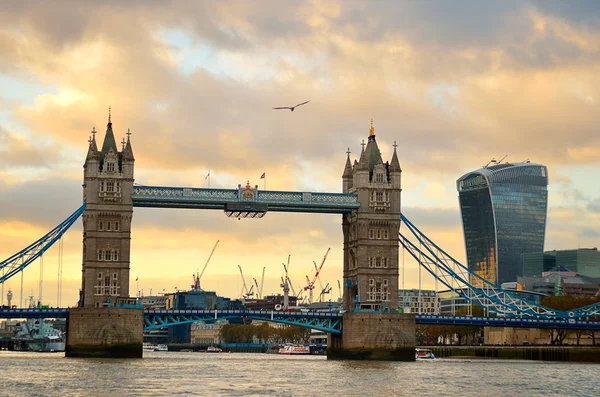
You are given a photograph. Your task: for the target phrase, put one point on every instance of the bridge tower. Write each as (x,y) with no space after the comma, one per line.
(371,232)
(107,189)
(97,328)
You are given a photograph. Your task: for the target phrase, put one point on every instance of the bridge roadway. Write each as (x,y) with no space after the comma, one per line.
(324,321)
(242,200)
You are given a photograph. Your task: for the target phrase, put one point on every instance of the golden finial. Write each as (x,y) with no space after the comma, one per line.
(372,130)
(109,114)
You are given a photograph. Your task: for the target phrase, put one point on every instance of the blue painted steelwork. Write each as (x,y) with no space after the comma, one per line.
(232,199)
(507,322)
(27,255)
(327,322)
(459,279)
(34,313)
(588,311)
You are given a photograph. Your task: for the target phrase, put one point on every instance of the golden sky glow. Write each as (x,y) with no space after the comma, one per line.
(454,83)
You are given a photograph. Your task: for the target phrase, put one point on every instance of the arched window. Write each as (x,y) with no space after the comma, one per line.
(117,227)
(100,225)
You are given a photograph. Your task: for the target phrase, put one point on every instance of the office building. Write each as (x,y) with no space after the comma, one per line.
(503,209)
(584,261)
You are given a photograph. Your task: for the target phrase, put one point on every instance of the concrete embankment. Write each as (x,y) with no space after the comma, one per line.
(543,353)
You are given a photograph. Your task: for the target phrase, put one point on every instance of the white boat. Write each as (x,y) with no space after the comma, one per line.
(148,347)
(423,354)
(294,350)
(213,349)
(41,336)
(161,348)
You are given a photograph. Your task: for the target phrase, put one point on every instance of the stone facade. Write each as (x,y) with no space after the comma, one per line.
(101,332)
(375,336)
(371,233)
(107,190)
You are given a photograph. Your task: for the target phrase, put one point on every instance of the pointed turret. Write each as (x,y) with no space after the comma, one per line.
(109,138)
(395,164)
(347,176)
(348,168)
(363,162)
(127,151)
(372,151)
(93,149)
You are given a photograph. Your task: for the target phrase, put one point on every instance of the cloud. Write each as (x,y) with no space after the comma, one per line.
(589,232)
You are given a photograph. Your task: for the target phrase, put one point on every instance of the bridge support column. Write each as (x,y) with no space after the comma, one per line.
(374,336)
(105,332)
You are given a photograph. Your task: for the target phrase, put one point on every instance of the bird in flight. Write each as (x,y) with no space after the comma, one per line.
(292,107)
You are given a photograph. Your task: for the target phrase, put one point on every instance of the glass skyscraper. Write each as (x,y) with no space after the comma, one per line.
(503,209)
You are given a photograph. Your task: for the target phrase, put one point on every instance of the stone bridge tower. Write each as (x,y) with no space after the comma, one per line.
(107,190)
(371,232)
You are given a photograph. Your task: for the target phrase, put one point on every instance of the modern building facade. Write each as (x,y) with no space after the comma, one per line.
(503,209)
(419,301)
(371,231)
(584,261)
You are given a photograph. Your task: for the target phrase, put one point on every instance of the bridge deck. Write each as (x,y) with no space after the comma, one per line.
(236,199)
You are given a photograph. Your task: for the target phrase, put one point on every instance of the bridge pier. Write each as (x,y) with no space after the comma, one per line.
(374,336)
(105,332)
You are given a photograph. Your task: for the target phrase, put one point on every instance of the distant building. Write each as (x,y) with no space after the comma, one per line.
(503,209)
(154,302)
(583,261)
(207,334)
(418,301)
(571,283)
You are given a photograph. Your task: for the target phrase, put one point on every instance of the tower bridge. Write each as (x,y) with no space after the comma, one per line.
(370,206)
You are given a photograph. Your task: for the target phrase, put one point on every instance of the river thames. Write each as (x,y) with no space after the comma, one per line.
(246,374)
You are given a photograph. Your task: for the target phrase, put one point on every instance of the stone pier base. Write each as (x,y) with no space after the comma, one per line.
(374,336)
(105,332)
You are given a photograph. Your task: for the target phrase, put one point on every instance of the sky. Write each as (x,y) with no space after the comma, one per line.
(454,83)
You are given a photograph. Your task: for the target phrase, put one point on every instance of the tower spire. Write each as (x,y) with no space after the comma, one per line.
(372,129)
(109,115)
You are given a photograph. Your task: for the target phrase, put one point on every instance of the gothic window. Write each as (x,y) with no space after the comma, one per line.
(100,225)
(117,227)
(115,256)
(110,187)
(102,186)
(371,262)
(387,197)
(384,262)
(118,187)
(379,196)
(379,177)
(385,234)
(110,167)
(115,276)
(372,196)
(108,226)
(100,255)
(99,276)
(378,234)
(371,281)
(107,256)
(371,234)
(385,282)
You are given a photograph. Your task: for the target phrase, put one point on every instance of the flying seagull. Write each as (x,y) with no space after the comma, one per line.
(292,107)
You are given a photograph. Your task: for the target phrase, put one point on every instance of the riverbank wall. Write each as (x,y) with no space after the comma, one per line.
(539,353)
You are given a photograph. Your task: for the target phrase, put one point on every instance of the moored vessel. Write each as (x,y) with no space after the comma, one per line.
(423,354)
(294,350)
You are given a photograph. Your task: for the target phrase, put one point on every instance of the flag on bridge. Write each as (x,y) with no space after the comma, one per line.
(263,176)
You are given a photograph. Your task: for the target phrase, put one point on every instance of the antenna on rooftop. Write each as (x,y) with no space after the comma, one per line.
(493,160)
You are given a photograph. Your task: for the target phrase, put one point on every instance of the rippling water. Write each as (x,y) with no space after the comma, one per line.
(244,374)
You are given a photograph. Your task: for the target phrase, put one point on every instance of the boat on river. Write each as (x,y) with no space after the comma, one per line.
(424,354)
(294,350)
(213,349)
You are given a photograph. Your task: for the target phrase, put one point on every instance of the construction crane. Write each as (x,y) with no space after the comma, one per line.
(324,291)
(257,288)
(197,277)
(311,283)
(286,284)
(340,291)
(249,293)
(262,282)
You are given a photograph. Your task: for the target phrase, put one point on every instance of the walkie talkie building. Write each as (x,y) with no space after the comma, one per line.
(503,209)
